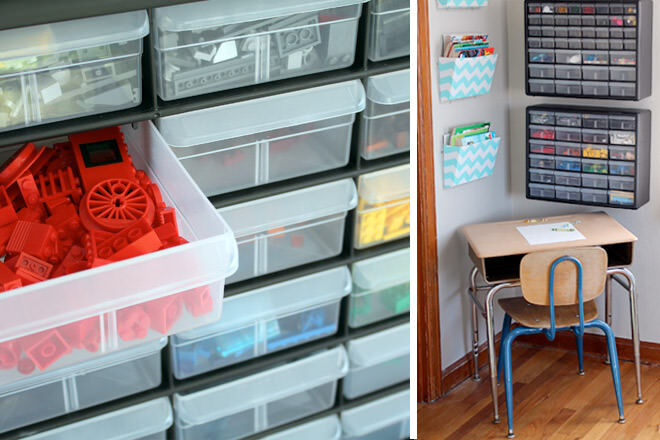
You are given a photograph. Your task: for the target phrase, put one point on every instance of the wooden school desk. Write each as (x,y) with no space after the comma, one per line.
(496,250)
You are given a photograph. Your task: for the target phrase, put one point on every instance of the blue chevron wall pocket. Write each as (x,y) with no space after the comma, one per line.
(466,77)
(470,162)
(462,3)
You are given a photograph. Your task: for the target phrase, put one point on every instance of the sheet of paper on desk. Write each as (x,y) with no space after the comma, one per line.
(550,233)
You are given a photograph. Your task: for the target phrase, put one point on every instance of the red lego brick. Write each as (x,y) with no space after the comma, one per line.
(91,244)
(164,312)
(142,178)
(31,269)
(39,166)
(32,214)
(167,215)
(63,159)
(10,353)
(102,155)
(74,261)
(36,239)
(166,232)
(176,241)
(83,334)
(132,323)
(138,239)
(25,366)
(69,228)
(115,204)
(29,192)
(19,163)
(58,184)
(8,279)
(44,348)
(198,301)
(7,212)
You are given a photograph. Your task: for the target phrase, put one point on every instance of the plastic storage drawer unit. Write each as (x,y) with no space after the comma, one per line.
(263,321)
(377,361)
(70,69)
(146,421)
(72,318)
(290,229)
(326,428)
(80,386)
(389,24)
(381,288)
(386,118)
(216,45)
(261,401)
(383,212)
(387,418)
(268,139)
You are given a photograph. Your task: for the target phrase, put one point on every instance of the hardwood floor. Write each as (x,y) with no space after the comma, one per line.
(551,401)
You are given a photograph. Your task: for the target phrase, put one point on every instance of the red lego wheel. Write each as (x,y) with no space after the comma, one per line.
(19,163)
(115,204)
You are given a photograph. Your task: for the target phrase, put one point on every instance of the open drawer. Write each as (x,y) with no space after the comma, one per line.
(261,401)
(146,421)
(79,386)
(75,317)
(378,361)
(290,229)
(387,418)
(381,288)
(264,140)
(263,321)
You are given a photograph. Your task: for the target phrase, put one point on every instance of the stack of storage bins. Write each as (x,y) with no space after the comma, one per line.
(306,308)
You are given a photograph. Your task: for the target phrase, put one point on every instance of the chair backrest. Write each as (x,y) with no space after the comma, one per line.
(535,275)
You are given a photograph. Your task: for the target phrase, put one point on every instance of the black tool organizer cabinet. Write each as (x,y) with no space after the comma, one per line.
(594,49)
(16,13)
(588,155)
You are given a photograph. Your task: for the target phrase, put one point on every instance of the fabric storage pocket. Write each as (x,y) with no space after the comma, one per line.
(594,195)
(594,181)
(567,179)
(628,90)
(567,193)
(541,161)
(465,77)
(541,191)
(386,118)
(290,229)
(622,168)
(543,118)
(568,72)
(622,198)
(381,288)
(541,71)
(620,122)
(595,57)
(264,140)
(145,421)
(568,134)
(81,386)
(378,361)
(460,166)
(622,137)
(623,74)
(568,57)
(595,136)
(544,86)
(594,166)
(595,121)
(568,149)
(544,56)
(567,87)
(622,153)
(384,418)
(622,183)
(595,73)
(541,176)
(594,151)
(263,321)
(255,403)
(590,88)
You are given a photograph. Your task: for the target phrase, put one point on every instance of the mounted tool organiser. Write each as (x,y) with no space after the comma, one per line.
(589,49)
(587,155)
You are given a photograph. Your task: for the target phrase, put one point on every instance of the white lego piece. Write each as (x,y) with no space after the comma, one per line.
(226,51)
(294,61)
(170,69)
(61,76)
(51,93)
(205,53)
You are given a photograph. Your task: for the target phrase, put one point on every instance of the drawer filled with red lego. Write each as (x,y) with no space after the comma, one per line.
(106,243)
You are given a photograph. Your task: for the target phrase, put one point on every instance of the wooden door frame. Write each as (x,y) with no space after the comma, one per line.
(429,364)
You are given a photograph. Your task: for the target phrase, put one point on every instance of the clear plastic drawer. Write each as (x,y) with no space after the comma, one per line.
(389,24)
(387,418)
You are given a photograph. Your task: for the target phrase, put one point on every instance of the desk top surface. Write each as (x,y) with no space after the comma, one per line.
(500,239)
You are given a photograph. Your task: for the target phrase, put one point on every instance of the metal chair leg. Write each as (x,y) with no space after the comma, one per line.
(614,364)
(506,327)
(579,341)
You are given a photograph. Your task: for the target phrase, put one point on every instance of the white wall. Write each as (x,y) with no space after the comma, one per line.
(484,200)
(502,196)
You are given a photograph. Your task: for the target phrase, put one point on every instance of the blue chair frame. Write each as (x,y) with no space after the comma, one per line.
(509,335)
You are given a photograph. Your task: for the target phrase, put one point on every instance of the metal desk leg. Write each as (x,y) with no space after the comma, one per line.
(608,307)
(490,323)
(475,326)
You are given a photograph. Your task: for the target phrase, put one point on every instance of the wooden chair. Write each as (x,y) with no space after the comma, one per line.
(559,288)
